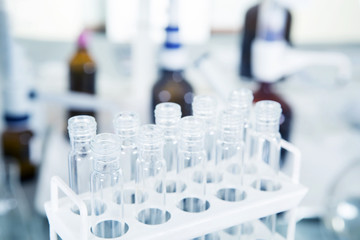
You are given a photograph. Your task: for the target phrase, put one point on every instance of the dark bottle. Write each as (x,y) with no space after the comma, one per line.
(249,34)
(16,142)
(82,71)
(266,92)
(172,86)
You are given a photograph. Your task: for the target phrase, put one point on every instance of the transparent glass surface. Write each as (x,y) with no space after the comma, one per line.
(342,215)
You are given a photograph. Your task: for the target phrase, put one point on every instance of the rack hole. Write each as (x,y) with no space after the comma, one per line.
(171,187)
(231,194)
(266,185)
(100,208)
(129,197)
(211,177)
(210,236)
(109,229)
(153,216)
(76,210)
(236,169)
(243,229)
(193,205)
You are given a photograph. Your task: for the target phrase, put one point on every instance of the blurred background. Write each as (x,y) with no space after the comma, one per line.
(305,55)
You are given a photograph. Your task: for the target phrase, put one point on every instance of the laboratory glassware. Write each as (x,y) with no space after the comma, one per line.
(251,27)
(126,125)
(342,206)
(241,100)
(151,177)
(14,208)
(107,187)
(167,117)
(205,108)
(172,85)
(267,91)
(16,144)
(230,144)
(82,129)
(17,134)
(192,164)
(82,73)
(268,145)
(273,23)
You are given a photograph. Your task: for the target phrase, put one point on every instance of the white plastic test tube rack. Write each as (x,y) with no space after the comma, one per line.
(253,204)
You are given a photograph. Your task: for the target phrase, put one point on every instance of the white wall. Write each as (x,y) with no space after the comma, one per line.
(321,21)
(328,21)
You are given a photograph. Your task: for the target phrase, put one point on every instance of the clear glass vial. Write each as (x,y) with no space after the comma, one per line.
(126,125)
(106,187)
(192,164)
(241,100)
(151,177)
(267,134)
(167,117)
(82,129)
(205,108)
(230,144)
(268,146)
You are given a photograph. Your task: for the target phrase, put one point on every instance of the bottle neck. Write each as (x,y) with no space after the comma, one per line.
(81,49)
(106,164)
(80,146)
(18,122)
(267,117)
(176,75)
(267,128)
(231,126)
(265,87)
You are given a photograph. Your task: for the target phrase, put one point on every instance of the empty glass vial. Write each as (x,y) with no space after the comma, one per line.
(151,177)
(268,148)
(106,187)
(230,144)
(167,117)
(204,108)
(192,164)
(126,125)
(241,100)
(82,129)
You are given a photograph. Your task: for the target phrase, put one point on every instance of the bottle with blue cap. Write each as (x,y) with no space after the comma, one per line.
(172,86)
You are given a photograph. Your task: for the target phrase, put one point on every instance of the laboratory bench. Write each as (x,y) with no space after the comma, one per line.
(323,111)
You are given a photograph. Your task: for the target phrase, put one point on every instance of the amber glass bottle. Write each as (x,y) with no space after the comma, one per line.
(82,74)
(249,34)
(266,92)
(172,86)
(16,142)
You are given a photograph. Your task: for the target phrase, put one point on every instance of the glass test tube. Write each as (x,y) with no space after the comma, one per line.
(192,163)
(82,129)
(241,100)
(126,125)
(230,144)
(205,108)
(150,195)
(107,185)
(268,148)
(167,116)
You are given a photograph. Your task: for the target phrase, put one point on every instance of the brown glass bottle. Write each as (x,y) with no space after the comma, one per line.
(82,71)
(16,140)
(249,34)
(266,92)
(172,87)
